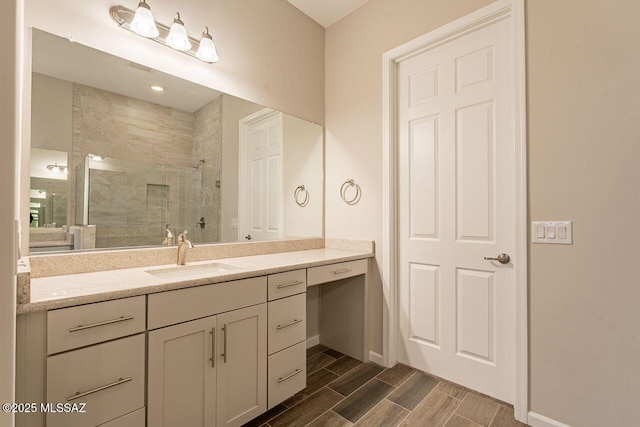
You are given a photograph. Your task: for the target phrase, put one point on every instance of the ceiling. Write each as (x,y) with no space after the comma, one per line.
(327,12)
(57,57)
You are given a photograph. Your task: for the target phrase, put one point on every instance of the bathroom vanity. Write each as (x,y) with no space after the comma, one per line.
(216,343)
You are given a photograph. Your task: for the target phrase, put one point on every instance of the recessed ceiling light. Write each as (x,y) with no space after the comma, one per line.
(157,88)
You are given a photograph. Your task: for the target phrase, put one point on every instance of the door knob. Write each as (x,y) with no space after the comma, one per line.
(502,259)
(248,237)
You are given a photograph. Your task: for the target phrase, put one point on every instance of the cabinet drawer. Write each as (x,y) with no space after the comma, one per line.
(134,419)
(69,328)
(109,377)
(287,373)
(286,284)
(333,272)
(287,321)
(169,308)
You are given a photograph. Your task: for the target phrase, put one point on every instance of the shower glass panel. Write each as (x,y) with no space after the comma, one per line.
(131,202)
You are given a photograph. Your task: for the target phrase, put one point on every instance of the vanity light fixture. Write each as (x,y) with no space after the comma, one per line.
(178,37)
(207,50)
(141,22)
(95,157)
(156,88)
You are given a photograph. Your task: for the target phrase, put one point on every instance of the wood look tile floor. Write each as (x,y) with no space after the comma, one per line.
(344,392)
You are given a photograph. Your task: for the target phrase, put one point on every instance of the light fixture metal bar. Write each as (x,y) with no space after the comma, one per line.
(123,17)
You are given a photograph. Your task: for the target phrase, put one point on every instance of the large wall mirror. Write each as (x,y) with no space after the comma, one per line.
(123,155)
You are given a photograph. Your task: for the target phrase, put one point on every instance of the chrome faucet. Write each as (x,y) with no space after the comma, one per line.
(183,245)
(168,236)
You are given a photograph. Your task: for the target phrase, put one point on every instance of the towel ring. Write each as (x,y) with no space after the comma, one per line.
(343,192)
(301,190)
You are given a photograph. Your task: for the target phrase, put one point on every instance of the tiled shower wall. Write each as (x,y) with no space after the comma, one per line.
(151,182)
(207,145)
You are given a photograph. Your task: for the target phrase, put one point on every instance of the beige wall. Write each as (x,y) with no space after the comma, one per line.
(302,157)
(51,113)
(10,27)
(584,149)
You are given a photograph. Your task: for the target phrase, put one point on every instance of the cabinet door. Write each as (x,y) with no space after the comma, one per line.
(182,375)
(242,365)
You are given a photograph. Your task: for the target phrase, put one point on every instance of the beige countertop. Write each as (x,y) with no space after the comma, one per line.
(75,289)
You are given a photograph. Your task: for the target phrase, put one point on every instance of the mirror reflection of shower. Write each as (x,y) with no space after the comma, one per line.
(197,166)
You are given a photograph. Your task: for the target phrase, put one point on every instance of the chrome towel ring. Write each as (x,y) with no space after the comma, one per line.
(301,195)
(345,187)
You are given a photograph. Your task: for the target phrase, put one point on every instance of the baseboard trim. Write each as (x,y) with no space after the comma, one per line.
(376,358)
(313,341)
(537,420)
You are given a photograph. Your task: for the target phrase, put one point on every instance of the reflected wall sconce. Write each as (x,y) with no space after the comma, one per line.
(57,168)
(176,37)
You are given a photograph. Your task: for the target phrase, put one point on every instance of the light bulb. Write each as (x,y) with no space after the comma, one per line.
(207,50)
(143,23)
(178,38)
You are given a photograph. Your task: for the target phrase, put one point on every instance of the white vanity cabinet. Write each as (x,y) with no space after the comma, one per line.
(287,335)
(210,371)
(106,377)
(210,355)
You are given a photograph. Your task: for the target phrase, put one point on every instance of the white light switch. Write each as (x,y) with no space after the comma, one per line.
(562,232)
(555,232)
(551,232)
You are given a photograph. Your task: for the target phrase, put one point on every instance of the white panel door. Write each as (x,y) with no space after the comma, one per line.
(261,204)
(456,205)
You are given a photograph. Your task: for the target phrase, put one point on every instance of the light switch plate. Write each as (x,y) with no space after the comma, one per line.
(555,232)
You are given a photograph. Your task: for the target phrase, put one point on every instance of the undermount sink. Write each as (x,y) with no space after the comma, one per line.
(192,271)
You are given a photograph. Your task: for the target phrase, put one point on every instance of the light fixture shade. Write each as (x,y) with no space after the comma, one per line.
(207,50)
(178,37)
(143,23)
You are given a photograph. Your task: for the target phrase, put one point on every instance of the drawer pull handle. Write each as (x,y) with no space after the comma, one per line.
(286,325)
(346,270)
(224,350)
(297,282)
(79,394)
(294,373)
(95,325)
